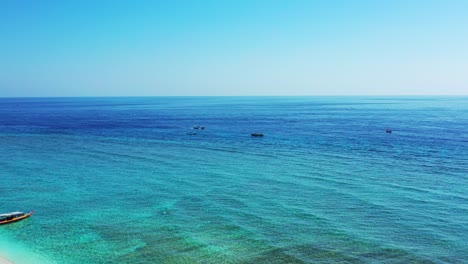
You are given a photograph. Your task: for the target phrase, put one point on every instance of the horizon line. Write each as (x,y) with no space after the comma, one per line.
(343,95)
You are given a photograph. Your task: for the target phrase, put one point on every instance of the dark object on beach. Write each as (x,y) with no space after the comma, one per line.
(388,131)
(199,127)
(191,133)
(256,135)
(13,217)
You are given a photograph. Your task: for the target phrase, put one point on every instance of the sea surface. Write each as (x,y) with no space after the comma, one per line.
(119,180)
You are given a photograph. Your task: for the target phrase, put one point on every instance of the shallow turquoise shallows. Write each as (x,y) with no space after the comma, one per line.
(122,180)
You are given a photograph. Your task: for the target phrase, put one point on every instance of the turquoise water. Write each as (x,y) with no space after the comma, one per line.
(118,180)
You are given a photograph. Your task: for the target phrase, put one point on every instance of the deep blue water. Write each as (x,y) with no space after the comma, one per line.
(118,180)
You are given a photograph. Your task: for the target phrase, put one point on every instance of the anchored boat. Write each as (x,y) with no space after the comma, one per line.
(13,217)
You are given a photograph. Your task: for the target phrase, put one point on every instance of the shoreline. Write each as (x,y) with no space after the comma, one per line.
(5,261)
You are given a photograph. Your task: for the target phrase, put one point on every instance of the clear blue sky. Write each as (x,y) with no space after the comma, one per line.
(238,47)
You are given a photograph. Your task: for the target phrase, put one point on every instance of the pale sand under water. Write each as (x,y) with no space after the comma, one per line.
(5,261)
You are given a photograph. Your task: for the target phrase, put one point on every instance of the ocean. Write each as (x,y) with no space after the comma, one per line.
(121,180)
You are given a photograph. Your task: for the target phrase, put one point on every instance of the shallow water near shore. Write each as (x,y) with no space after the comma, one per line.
(118,180)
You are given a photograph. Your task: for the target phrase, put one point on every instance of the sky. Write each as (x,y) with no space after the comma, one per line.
(233,47)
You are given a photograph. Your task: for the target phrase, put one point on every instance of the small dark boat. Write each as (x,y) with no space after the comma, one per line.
(388,131)
(256,135)
(13,217)
(199,127)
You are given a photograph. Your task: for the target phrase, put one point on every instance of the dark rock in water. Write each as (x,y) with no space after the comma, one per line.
(256,135)
(388,131)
